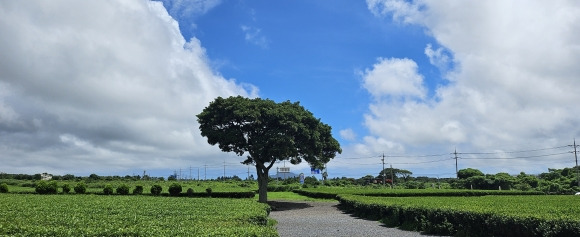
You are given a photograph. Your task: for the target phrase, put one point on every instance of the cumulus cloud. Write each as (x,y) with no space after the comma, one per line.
(394,78)
(348,134)
(98,86)
(514,82)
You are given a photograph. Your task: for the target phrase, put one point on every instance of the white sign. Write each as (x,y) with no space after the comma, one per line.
(284,169)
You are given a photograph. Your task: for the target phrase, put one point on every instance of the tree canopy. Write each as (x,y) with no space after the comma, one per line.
(398,173)
(267,132)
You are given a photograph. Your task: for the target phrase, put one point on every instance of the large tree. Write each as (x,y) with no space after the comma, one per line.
(267,132)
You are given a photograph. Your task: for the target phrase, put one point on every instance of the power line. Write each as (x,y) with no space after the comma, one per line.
(503,152)
(509,158)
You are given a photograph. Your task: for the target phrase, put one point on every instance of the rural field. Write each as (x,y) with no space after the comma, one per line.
(100,215)
(209,210)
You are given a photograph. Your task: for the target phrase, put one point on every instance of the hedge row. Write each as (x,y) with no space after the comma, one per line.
(405,193)
(458,222)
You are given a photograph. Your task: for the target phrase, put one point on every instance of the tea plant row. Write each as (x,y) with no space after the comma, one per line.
(99,215)
(508,215)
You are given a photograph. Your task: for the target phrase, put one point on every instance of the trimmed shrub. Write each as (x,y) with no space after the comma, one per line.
(208,191)
(43,187)
(156,189)
(108,190)
(190,192)
(175,189)
(80,188)
(138,190)
(123,189)
(65,188)
(3,188)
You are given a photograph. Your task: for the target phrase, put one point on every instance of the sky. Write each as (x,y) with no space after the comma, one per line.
(113,87)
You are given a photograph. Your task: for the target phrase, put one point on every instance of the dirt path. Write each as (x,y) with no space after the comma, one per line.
(325,219)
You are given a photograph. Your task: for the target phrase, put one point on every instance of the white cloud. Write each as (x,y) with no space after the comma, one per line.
(514,83)
(348,134)
(254,35)
(97,86)
(189,8)
(394,78)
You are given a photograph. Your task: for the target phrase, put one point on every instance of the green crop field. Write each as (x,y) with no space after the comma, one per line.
(135,215)
(506,215)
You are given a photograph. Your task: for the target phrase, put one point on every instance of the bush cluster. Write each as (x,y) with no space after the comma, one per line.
(43,187)
(138,190)
(156,189)
(80,188)
(123,189)
(3,188)
(175,189)
(65,188)
(108,190)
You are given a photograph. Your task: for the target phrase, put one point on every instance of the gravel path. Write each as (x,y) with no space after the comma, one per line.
(325,219)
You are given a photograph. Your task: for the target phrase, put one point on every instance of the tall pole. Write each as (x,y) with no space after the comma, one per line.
(456,170)
(383,171)
(576,157)
(392,177)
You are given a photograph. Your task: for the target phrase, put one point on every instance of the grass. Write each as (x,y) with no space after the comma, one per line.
(291,196)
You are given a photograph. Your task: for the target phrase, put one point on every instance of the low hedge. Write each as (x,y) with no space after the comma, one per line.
(458,222)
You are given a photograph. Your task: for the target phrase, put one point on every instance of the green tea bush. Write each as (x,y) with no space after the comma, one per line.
(175,189)
(80,188)
(123,189)
(3,188)
(156,189)
(65,188)
(138,190)
(108,190)
(190,192)
(208,190)
(43,187)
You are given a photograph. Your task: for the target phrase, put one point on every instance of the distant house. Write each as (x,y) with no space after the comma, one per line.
(45,176)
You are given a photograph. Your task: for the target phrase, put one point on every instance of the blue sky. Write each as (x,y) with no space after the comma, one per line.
(113,87)
(307,51)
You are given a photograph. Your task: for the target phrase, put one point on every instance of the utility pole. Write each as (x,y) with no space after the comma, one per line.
(197,173)
(392,177)
(383,171)
(456,170)
(224,170)
(576,158)
(190,178)
(205,173)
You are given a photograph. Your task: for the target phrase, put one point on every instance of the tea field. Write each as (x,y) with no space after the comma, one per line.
(132,215)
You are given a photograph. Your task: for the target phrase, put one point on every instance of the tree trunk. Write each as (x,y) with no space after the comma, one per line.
(262,184)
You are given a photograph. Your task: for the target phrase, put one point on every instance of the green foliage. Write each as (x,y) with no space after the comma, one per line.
(208,191)
(108,190)
(80,188)
(175,189)
(156,189)
(123,189)
(268,132)
(3,188)
(473,216)
(138,190)
(43,187)
(469,172)
(190,192)
(143,215)
(65,188)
